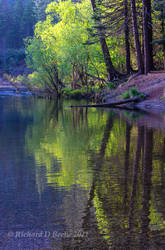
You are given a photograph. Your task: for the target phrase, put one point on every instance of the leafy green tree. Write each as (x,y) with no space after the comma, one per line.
(66,39)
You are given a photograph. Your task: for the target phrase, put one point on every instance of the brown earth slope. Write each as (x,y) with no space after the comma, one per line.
(152,84)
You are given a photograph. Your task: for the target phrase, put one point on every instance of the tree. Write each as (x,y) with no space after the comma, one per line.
(136,38)
(43,61)
(66,40)
(160,7)
(28,19)
(112,73)
(17,23)
(147,36)
(127,38)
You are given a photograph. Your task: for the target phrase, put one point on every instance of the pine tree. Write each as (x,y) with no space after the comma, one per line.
(28,19)
(112,73)
(147,36)
(136,37)
(127,38)
(17,23)
(4,23)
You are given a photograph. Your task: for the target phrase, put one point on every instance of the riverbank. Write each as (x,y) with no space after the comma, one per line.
(152,85)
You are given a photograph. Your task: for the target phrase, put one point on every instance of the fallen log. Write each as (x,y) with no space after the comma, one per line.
(111,104)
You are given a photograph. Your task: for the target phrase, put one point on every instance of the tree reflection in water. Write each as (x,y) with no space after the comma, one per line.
(81,169)
(120,212)
(125,225)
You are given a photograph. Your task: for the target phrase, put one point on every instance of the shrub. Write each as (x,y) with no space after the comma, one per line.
(78,93)
(66,91)
(13,79)
(75,93)
(126,95)
(111,85)
(142,96)
(134,92)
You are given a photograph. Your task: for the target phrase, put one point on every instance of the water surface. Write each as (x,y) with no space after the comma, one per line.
(78,178)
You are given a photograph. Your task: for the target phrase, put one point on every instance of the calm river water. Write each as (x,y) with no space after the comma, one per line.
(77,178)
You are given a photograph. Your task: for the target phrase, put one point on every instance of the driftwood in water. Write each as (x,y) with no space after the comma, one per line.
(112,104)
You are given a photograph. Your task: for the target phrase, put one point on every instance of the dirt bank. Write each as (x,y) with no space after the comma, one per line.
(152,84)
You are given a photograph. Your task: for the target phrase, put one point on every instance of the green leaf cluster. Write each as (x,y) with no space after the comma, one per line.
(132,93)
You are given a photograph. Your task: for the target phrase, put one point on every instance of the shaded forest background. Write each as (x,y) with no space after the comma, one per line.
(17,20)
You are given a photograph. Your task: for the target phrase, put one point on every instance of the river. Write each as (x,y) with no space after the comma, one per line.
(78,178)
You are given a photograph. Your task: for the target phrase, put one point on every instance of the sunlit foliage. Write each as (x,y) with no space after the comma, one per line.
(64,44)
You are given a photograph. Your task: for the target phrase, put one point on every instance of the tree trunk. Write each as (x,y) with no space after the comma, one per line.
(136,37)
(127,43)
(107,58)
(163,33)
(163,165)
(164,54)
(147,36)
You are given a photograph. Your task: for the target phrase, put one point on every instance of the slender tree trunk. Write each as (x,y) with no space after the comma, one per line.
(163,165)
(164,54)
(107,58)
(163,33)
(136,37)
(127,43)
(150,34)
(147,36)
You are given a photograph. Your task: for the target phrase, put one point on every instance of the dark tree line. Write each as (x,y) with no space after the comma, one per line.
(17,20)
